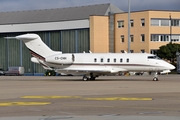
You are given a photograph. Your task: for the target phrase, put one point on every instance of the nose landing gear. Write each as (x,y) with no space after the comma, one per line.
(155,78)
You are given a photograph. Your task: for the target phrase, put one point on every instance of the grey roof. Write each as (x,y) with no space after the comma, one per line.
(59,14)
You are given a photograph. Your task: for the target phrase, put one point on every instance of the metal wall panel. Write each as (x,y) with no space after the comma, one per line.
(83,40)
(55,41)
(68,41)
(15,53)
(3,52)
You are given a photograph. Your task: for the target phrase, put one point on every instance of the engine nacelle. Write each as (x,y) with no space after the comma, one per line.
(34,60)
(61,59)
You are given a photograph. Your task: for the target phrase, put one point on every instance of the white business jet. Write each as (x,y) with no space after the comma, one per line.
(91,65)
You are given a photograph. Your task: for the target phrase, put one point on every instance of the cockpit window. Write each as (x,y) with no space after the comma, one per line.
(151,57)
(154,57)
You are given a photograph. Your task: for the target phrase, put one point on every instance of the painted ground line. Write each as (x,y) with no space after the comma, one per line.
(3,104)
(69,97)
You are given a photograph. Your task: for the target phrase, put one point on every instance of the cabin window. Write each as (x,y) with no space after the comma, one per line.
(95,60)
(127,60)
(114,59)
(150,57)
(108,60)
(101,59)
(121,60)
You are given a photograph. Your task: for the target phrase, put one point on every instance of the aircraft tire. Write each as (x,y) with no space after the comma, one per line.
(155,79)
(85,78)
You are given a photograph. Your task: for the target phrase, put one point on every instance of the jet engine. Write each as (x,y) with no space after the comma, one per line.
(61,59)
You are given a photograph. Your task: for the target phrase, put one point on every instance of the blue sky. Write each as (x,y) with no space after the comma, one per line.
(19,5)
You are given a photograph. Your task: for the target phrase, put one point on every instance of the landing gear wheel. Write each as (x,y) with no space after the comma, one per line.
(85,78)
(155,79)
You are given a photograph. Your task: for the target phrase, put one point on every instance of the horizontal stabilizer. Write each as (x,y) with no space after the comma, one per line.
(10,37)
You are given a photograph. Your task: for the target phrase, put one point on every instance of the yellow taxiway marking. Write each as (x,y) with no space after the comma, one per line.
(68,97)
(119,98)
(3,104)
(49,97)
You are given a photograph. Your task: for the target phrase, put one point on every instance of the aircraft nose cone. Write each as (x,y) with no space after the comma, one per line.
(172,67)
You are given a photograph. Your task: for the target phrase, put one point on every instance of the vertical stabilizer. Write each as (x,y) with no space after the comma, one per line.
(36,46)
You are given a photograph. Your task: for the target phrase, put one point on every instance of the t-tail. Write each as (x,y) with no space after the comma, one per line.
(36,46)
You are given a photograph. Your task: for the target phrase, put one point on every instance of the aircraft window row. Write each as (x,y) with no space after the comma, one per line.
(121,60)
(95,60)
(115,60)
(101,59)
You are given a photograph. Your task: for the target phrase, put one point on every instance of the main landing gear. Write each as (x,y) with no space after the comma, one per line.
(85,78)
(155,78)
(91,77)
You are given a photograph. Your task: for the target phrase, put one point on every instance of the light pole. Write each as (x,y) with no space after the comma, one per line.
(170,27)
(128,26)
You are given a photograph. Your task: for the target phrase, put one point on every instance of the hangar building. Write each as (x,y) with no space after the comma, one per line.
(62,29)
(99,28)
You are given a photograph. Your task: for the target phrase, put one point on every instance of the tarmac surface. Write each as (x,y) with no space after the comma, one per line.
(108,97)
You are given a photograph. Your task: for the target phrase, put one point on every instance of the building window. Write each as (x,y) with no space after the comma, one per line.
(175,38)
(95,60)
(175,22)
(132,23)
(165,38)
(142,38)
(122,38)
(142,22)
(162,37)
(164,22)
(153,52)
(132,38)
(154,22)
(114,60)
(121,24)
(127,60)
(154,37)
(131,51)
(108,60)
(142,51)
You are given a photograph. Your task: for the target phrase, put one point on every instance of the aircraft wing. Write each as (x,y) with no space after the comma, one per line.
(98,71)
